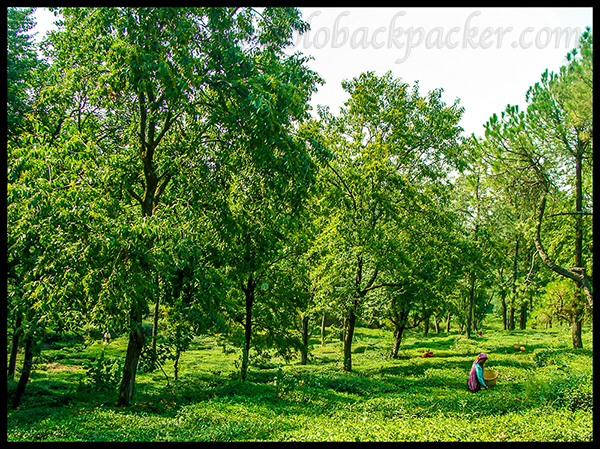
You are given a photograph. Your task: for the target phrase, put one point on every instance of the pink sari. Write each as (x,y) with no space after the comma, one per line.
(473,383)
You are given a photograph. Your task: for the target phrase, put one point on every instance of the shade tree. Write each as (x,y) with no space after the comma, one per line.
(154,100)
(389,147)
(546,150)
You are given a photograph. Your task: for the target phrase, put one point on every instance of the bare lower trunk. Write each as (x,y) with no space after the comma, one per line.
(523,317)
(155,329)
(132,358)
(426,326)
(504,315)
(305,340)
(25,373)
(399,331)
(249,293)
(14,347)
(470,306)
(348,335)
(176,364)
(576,326)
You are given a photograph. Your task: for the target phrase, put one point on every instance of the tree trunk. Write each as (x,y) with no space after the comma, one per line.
(579,210)
(470,306)
(136,341)
(350,322)
(523,317)
(132,357)
(323,330)
(504,310)
(249,293)
(25,373)
(502,296)
(448,323)
(176,364)
(14,347)
(576,326)
(305,340)
(426,326)
(155,328)
(511,317)
(399,331)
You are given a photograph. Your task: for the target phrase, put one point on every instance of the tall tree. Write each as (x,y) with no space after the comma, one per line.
(547,150)
(163,104)
(483,239)
(387,144)
(255,238)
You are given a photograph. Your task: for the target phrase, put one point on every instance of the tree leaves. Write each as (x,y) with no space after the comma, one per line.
(21,65)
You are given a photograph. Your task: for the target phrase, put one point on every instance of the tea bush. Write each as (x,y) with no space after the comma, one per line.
(103,373)
(544,393)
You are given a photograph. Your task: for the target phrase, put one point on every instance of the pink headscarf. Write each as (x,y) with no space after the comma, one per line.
(473,374)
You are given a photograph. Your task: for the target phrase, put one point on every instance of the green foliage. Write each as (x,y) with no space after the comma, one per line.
(157,132)
(150,360)
(103,373)
(21,65)
(546,357)
(560,386)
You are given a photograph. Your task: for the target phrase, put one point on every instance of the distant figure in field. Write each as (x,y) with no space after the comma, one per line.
(476,381)
(106,337)
(479,334)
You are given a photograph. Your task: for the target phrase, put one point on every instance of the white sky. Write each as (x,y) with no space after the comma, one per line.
(484,79)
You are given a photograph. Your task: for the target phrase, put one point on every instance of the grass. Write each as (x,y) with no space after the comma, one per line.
(543,394)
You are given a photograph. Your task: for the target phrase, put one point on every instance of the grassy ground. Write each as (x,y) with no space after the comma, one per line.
(543,394)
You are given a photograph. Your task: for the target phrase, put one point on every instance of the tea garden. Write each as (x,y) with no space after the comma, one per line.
(543,393)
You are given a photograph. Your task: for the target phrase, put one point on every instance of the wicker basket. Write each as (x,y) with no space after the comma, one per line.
(490,376)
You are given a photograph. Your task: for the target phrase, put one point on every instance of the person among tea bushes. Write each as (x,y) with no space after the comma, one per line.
(476,381)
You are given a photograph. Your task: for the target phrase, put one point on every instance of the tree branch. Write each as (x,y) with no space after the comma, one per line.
(345,185)
(163,181)
(582,212)
(167,125)
(135,195)
(372,280)
(577,274)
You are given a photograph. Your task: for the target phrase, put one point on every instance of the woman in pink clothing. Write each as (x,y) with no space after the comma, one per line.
(476,381)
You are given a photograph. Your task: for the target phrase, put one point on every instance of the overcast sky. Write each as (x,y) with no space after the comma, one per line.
(486,57)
